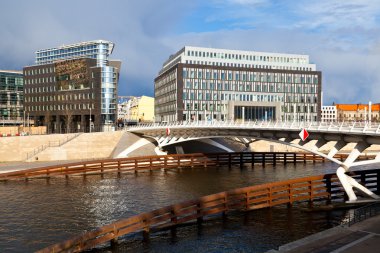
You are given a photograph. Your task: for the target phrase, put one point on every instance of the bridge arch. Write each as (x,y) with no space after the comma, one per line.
(311,150)
(363,134)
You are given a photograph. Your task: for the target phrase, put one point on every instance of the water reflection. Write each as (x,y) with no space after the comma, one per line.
(38,213)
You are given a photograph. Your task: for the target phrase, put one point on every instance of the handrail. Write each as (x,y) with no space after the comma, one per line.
(344,126)
(247,198)
(135,164)
(51,144)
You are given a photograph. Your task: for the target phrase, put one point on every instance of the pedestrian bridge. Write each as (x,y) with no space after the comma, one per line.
(339,134)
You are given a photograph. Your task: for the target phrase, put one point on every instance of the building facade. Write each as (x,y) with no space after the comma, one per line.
(72,90)
(11,97)
(358,112)
(219,84)
(329,113)
(136,110)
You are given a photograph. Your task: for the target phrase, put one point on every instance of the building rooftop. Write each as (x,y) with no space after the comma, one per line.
(11,71)
(111,45)
(357,107)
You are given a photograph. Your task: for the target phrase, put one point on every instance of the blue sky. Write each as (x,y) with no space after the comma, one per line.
(341,37)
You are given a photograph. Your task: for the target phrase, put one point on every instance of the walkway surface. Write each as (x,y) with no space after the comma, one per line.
(359,238)
(16,166)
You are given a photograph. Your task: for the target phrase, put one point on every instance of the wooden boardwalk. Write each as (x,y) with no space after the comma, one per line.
(314,188)
(165,162)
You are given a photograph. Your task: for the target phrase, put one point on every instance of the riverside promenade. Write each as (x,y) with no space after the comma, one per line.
(358,238)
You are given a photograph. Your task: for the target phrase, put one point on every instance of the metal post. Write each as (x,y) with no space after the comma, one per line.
(90,117)
(243,113)
(369,112)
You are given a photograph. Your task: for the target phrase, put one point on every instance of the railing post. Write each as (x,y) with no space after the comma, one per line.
(229,160)
(224,214)
(310,192)
(252,159)
(274,159)
(294,158)
(241,160)
(114,241)
(118,168)
(263,159)
(290,195)
(378,182)
(328,188)
(304,158)
(285,156)
(146,230)
(199,214)
(136,166)
(363,179)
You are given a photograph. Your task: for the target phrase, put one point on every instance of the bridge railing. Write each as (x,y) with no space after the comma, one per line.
(314,188)
(355,127)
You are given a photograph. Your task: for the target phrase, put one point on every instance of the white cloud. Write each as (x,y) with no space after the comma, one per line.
(337,14)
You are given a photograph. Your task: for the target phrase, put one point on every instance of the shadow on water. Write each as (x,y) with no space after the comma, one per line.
(38,213)
(255,231)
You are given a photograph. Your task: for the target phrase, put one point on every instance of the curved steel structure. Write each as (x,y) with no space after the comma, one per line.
(363,134)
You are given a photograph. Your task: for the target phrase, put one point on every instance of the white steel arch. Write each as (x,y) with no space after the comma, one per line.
(363,134)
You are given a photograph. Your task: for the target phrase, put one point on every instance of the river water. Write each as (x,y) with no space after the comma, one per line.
(39,213)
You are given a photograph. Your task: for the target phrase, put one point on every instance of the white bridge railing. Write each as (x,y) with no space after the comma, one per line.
(348,127)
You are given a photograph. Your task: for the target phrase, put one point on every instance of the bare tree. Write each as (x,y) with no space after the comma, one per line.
(47,120)
(68,113)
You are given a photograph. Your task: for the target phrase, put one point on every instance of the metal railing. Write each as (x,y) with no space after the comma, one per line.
(363,213)
(58,143)
(349,127)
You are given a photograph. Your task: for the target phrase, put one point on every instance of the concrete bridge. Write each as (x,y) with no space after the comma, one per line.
(335,135)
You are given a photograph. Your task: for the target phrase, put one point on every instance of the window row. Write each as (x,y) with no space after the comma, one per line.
(65,107)
(67,97)
(248,57)
(190,73)
(238,65)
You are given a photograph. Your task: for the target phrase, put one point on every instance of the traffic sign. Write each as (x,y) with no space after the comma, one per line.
(304,134)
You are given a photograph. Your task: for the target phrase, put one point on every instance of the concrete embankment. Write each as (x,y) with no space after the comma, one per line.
(358,238)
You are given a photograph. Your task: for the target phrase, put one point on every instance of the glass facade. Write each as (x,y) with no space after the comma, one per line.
(71,74)
(197,92)
(255,113)
(99,50)
(11,95)
(109,94)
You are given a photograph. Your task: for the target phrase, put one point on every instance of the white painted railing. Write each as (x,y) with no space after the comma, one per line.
(348,127)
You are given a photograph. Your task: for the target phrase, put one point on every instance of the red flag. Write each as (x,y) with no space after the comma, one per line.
(304,134)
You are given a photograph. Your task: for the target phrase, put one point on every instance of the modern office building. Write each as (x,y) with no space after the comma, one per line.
(73,87)
(219,84)
(329,113)
(358,112)
(11,97)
